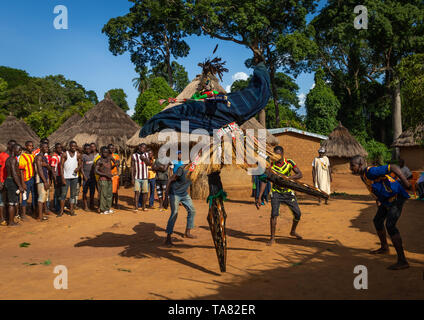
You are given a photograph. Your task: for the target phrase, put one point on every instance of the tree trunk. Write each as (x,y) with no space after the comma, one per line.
(262,118)
(169,69)
(396,116)
(274,96)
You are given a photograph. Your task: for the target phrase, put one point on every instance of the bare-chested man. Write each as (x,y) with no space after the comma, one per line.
(103,169)
(13,183)
(3,174)
(42,179)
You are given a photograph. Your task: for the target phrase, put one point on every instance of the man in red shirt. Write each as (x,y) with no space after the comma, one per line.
(3,174)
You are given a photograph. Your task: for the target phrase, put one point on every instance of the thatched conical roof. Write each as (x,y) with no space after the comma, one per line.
(411,138)
(104,124)
(187,93)
(70,122)
(342,144)
(15,129)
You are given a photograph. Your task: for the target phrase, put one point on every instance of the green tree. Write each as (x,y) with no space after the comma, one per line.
(91,96)
(44,102)
(321,107)
(14,77)
(141,83)
(355,60)
(3,85)
(396,31)
(147,104)
(46,121)
(288,102)
(411,74)
(179,75)
(152,32)
(119,97)
(239,85)
(73,90)
(257,25)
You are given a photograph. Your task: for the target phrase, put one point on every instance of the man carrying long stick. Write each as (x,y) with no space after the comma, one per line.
(283,195)
(391,197)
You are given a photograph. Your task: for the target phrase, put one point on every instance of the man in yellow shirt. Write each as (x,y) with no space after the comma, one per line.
(115,175)
(26,166)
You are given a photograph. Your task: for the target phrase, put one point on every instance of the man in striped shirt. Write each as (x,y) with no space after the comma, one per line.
(26,165)
(139,162)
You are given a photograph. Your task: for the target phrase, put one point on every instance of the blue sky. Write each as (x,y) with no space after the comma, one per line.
(30,42)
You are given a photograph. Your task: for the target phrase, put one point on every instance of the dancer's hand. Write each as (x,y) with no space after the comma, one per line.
(165,202)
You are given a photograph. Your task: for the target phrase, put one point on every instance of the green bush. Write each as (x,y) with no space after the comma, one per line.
(378,153)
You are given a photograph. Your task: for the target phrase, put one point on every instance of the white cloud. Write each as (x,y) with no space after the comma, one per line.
(302,99)
(240,76)
(313,86)
(228,89)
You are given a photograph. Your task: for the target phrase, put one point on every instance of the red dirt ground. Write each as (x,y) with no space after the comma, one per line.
(122,256)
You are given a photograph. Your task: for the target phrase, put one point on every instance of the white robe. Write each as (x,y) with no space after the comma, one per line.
(322,174)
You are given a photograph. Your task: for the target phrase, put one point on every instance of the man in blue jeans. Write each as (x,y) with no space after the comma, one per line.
(177,186)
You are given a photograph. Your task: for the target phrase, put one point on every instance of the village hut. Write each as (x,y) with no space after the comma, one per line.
(411,147)
(15,129)
(104,124)
(70,122)
(236,181)
(340,147)
(301,146)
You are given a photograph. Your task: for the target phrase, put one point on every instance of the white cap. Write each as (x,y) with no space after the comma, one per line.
(321,150)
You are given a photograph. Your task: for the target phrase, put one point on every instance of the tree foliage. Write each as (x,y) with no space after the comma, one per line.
(288,102)
(141,83)
(239,85)
(179,75)
(119,97)
(13,77)
(257,25)
(147,104)
(152,32)
(411,74)
(44,103)
(362,62)
(321,107)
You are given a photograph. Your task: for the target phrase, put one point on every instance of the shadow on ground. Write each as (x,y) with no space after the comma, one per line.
(145,243)
(317,269)
(410,223)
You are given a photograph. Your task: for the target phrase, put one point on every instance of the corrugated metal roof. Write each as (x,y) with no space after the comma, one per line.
(306,133)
